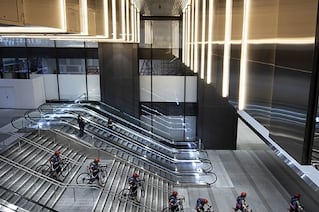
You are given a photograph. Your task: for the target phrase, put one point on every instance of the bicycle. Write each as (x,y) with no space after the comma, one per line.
(245,209)
(208,209)
(88,178)
(179,204)
(300,209)
(48,170)
(127,193)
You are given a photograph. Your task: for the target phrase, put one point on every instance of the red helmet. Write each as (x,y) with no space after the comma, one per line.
(243,194)
(297,195)
(97,160)
(205,201)
(175,193)
(57,152)
(135,175)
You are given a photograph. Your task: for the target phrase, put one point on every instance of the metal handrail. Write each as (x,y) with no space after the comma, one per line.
(173,173)
(26,198)
(72,111)
(39,146)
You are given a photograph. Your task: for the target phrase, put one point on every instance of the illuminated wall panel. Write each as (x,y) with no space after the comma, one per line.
(203,41)
(210,41)
(192,34)
(218,44)
(227,43)
(196,35)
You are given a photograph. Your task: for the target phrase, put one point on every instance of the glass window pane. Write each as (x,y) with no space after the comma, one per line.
(72,66)
(42,65)
(12,42)
(93,66)
(65,43)
(33,42)
(15,68)
(91,44)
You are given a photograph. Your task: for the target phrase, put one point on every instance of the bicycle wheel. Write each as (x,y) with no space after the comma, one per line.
(124,195)
(44,169)
(166,209)
(102,177)
(142,191)
(65,170)
(83,178)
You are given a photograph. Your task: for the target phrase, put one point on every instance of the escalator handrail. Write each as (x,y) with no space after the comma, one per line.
(98,126)
(93,113)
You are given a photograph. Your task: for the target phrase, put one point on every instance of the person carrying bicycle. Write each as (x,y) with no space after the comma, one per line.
(294,204)
(56,162)
(241,202)
(200,203)
(172,200)
(94,169)
(134,183)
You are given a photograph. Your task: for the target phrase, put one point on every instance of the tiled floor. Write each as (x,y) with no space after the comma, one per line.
(253,168)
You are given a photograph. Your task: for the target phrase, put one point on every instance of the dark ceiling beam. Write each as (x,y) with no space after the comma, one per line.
(162,18)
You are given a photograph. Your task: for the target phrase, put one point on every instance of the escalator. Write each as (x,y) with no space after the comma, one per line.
(178,165)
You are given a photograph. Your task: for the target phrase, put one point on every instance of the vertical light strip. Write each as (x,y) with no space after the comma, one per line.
(188,35)
(135,22)
(192,34)
(210,42)
(147,32)
(227,42)
(114,34)
(243,59)
(196,36)
(123,19)
(63,15)
(183,40)
(106,18)
(127,20)
(132,23)
(84,17)
(202,65)
(138,26)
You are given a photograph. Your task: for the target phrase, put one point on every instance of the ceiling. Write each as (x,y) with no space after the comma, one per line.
(160,7)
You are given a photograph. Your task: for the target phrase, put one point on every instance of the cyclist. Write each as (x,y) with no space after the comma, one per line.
(56,162)
(200,204)
(295,205)
(172,199)
(94,169)
(134,182)
(241,202)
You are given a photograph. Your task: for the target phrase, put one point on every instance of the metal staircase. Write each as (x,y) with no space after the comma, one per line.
(178,165)
(20,180)
(18,171)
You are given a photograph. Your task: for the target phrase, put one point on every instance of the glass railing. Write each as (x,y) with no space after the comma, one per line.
(138,125)
(185,172)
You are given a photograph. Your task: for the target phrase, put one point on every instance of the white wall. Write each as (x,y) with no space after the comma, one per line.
(174,127)
(168,88)
(71,86)
(50,85)
(22,93)
(94,87)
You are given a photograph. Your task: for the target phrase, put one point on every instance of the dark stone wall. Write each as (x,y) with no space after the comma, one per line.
(217,119)
(119,76)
